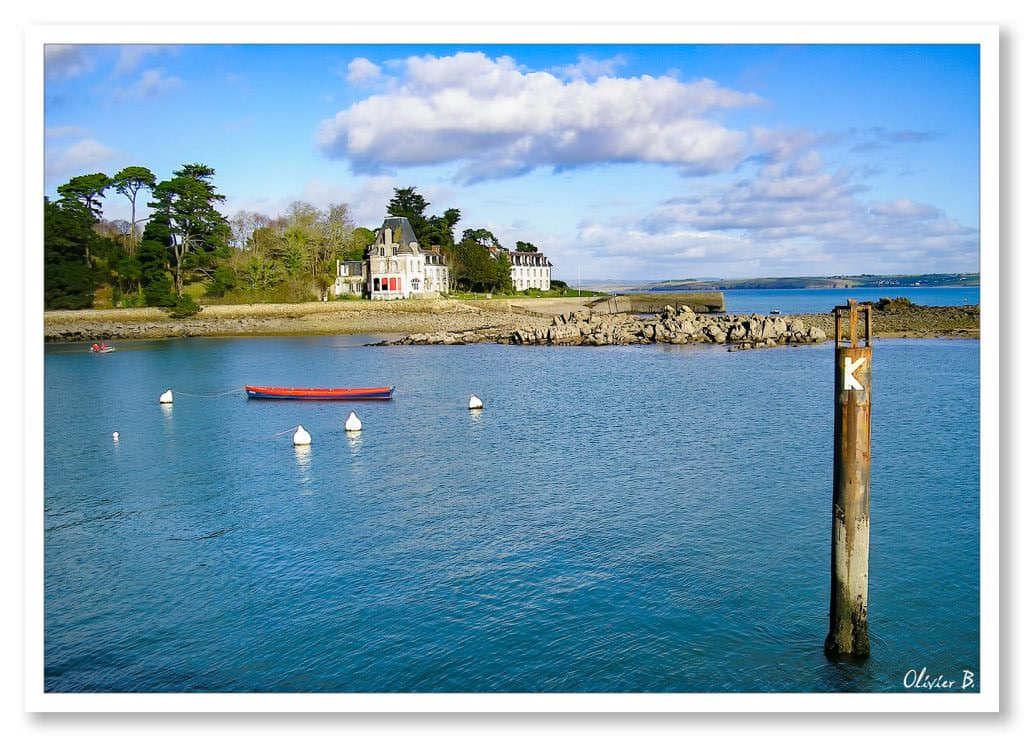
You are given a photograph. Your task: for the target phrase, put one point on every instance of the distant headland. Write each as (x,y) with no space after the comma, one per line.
(792,282)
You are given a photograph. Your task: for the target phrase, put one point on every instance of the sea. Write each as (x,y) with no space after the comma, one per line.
(811,301)
(615,519)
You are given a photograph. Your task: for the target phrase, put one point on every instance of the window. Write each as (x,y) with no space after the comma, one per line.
(415,285)
(376,285)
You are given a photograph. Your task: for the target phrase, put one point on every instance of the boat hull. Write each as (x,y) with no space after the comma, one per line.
(281,392)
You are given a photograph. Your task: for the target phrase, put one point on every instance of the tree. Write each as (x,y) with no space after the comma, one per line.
(472,266)
(482,236)
(443,228)
(152,254)
(502,273)
(68,283)
(128,182)
(525,247)
(333,237)
(85,192)
(360,240)
(408,203)
(244,228)
(186,204)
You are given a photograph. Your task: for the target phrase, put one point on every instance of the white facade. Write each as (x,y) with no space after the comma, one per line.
(399,269)
(529,270)
(395,267)
(349,278)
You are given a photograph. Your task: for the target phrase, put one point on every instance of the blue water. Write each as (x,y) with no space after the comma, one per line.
(809,301)
(616,519)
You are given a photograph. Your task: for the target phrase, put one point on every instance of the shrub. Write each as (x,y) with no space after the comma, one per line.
(224,280)
(185,307)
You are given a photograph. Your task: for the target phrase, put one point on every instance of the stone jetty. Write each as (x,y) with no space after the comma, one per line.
(676,327)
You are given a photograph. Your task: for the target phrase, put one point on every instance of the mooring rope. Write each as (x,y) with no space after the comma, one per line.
(293,428)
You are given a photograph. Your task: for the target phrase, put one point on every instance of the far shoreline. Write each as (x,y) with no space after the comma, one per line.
(363,317)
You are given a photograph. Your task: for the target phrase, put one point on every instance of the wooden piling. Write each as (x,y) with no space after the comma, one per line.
(851,487)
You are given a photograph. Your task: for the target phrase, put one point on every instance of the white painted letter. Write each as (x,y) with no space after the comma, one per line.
(849,380)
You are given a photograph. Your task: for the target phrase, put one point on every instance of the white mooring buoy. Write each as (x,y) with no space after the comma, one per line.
(301,437)
(475,402)
(353,423)
(166,397)
(116,435)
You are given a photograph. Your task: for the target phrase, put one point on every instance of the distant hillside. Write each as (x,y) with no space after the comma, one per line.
(814,282)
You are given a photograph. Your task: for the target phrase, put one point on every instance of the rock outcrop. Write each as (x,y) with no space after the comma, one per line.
(681,327)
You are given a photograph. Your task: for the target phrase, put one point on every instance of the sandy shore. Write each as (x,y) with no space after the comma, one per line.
(414,316)
(314,318)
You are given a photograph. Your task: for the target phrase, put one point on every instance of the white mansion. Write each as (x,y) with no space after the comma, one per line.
(530,270)
(395,267)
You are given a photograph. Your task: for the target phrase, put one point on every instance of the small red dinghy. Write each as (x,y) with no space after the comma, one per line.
(280,392)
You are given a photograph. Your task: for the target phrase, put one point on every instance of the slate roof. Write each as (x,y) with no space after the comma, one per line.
(401,233)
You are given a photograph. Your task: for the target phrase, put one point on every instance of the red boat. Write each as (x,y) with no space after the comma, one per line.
(280,392)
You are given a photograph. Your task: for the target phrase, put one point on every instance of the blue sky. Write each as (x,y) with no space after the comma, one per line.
(618,161)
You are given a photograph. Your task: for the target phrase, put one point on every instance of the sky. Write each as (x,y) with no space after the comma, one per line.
(620,162)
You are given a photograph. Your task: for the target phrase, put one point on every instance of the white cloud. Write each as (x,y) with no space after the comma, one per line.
(63,131)
(65,61)
(362,71)
(84,157)
(904,208)
(499,120)
(784,144)
(790,219)
(150,83)
(589,68)
(132,56)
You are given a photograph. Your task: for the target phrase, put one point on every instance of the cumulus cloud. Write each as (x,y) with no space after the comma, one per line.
(150,83)
(793,218)
(589,68)
(83,157)
(499,120)
(65,61)
(362,71)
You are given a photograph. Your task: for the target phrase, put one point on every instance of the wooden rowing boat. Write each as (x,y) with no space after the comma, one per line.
(281,392)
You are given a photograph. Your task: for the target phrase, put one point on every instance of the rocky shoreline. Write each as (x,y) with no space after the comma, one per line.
(518,322)
(682,327)
(333,318)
